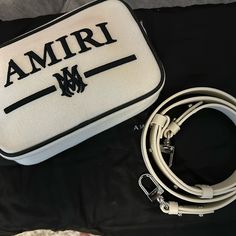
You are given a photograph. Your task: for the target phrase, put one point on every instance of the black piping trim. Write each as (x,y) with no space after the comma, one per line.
(30,98)
(162,80)
(110,65)
(53,22)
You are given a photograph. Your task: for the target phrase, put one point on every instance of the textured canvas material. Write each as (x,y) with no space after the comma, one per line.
(71,73)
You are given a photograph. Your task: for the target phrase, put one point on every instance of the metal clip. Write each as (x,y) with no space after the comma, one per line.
(167,148)
(155,191)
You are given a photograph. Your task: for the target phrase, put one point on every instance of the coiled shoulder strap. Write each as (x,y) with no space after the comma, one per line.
(203,199)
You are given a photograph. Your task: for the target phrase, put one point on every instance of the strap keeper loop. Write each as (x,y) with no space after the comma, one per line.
(207,191)
(159,119)
(173,128)
(173,208)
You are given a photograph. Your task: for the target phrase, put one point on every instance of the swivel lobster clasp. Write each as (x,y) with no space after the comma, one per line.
(152,189)
(167,148)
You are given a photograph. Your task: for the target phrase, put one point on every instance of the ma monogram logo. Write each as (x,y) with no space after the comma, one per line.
(70,82)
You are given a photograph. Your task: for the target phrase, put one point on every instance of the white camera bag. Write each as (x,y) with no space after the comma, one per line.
(73,78)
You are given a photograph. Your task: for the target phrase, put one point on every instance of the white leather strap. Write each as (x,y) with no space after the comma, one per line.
(203,199)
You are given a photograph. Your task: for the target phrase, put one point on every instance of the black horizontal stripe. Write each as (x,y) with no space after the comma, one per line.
(30,98)
(110,65)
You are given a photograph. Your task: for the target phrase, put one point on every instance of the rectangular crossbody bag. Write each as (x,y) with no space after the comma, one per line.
(73,78)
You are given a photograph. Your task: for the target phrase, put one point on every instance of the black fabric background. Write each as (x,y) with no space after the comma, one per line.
(94,186)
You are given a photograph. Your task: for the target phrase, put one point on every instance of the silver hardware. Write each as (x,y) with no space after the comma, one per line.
(167,148)
(175,187)
(180,214)
(201,215)
(153,193)
(162,202)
